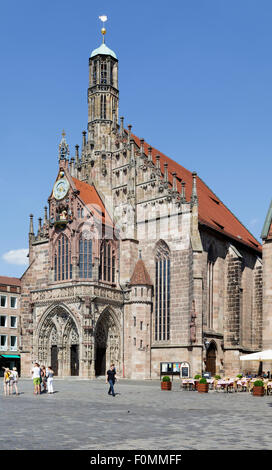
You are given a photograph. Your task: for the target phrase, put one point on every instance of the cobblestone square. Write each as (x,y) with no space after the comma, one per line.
(80,415)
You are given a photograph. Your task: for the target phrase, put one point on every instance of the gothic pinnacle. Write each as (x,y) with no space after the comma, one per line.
(84,139)
(150,154)
(165,172)
(194,198)
(129,132)
(174,184)
(31,228)
(142,147)
(77,154)
(45,214)
(121,125)
(158,164)
(183,195)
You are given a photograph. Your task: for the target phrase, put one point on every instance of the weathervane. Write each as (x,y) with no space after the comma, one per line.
(103,18)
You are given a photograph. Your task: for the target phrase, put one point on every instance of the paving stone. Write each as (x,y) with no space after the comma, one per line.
(81,415)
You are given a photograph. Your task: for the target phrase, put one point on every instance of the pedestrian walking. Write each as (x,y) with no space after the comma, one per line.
(14,381)
(111,379)
(36,375)
(44,378)
(50,375)
(6,381)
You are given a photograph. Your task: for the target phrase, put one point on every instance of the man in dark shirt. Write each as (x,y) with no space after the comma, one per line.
(111,379)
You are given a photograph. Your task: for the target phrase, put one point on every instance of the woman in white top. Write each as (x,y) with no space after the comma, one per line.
(14,381)
(50,375)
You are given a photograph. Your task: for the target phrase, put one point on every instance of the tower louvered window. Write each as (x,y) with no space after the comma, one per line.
(95,72)
(103,72)
(85,259)
(103,107)
(62,261)
(162,292)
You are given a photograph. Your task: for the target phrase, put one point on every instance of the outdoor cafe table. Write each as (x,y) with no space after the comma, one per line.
(187,382)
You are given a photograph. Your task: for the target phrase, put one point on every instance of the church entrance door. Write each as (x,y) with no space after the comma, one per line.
(74,360)
(211,359)
(54,359)
(107,343)
(100,363)
(58,342)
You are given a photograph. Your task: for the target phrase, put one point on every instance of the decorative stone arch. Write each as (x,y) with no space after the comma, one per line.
(107,341)
(58,340)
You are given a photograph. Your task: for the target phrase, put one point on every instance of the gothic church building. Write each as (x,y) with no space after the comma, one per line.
(136,261)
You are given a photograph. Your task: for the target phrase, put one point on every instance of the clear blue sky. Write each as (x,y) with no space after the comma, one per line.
(195,80)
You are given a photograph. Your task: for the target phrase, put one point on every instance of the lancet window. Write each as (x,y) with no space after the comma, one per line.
(210,284)
(85,258)
(107,262)
(103,107)
(104,72)
(94,72)
(162,292)
(62,259)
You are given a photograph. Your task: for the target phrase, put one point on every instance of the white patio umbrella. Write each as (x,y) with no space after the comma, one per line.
(265,355)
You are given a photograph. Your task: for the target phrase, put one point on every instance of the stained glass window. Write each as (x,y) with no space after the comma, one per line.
(162,293)
(85,259)
(107,262)
(62,261)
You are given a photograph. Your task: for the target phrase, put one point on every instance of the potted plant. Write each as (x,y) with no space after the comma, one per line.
(203,386)
(166,383)
(239,376)
(197,377)
(217,377)
(258,388)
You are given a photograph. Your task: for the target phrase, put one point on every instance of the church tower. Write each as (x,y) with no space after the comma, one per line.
(95,164)
(103,96)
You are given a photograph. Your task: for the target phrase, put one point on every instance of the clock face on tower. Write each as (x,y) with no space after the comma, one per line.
(61,188)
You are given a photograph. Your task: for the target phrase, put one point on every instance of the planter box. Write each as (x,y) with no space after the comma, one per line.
(258,391)
(166,385)
(202,388)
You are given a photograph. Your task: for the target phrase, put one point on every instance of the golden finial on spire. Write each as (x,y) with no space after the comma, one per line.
(103,18)
(63,133)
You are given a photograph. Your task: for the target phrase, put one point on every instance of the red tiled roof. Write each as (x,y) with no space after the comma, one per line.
(91,198)
(212,212)
(10,281)
(140,275)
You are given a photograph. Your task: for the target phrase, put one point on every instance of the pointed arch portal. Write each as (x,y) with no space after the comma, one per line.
(107,343)
(58,342)
(211,359)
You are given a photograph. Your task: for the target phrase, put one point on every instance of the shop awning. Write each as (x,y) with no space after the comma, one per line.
(10,356)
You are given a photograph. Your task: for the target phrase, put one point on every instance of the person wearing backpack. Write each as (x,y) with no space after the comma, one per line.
(14,381)
(36,375)
(6,380)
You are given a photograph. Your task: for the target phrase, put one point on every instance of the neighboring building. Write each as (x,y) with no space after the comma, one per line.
(10,291)
(138,262)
